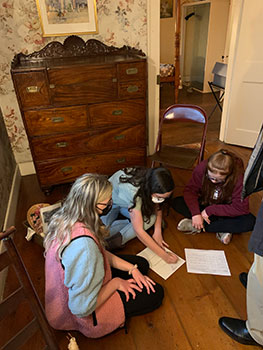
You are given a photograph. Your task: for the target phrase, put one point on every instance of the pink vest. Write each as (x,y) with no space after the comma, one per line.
(108,317)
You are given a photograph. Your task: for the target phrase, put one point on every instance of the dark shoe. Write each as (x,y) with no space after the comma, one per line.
(237,330)
(243,278)
(114,242)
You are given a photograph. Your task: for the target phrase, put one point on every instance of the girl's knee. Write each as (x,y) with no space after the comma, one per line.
(143,265)
(159,291)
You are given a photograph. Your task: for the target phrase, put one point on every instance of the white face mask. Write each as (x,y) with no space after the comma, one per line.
(157,200)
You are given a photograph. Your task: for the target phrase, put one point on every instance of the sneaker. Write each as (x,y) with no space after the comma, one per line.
(224,237)
(185,225)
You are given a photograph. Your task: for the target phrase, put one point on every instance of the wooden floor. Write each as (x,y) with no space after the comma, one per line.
(188,318)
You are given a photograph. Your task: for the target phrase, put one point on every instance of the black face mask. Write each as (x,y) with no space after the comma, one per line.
(106,210)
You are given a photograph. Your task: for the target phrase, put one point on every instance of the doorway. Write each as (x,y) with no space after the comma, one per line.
(195,34)
(208,20)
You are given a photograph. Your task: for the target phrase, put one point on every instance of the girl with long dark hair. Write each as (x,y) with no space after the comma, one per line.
(212,199)
(140,194)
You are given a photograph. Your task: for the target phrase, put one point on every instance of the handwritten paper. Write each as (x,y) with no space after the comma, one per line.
(211,262)
(158,265)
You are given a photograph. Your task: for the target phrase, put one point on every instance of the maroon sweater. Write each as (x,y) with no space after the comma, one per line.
(192,193)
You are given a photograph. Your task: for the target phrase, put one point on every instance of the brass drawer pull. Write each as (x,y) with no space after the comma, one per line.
(132,88)
(114,80)
(57,119)
(119,137)
(61,144)
(121,160)
(131,71)
(66,169)
(117,112)
(32,89)
(52,86)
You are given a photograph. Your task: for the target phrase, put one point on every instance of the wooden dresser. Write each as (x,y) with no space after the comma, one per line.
(84,108)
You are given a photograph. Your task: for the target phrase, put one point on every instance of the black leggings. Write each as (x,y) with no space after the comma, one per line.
(143,303)
(237,224)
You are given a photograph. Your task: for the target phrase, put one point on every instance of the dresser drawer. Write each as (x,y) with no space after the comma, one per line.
(117,113)
(32,89)
(85,84)
(67,170)
(88,142)
(84,108)
(56,120)
(134,89)
(131,71)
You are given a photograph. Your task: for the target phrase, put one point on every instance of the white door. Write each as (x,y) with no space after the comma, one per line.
(243,105)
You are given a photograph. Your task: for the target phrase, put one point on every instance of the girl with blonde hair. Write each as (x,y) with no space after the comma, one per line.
(88,288)
(212,199)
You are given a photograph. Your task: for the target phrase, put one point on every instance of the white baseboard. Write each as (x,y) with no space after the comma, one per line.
(13,198)
(10,219)
(27,168)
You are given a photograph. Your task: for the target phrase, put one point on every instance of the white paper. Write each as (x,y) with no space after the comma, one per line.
(30,233)
(158,265)
(211,262)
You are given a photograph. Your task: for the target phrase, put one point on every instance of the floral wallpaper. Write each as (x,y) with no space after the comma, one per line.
(7,169)
(120,22)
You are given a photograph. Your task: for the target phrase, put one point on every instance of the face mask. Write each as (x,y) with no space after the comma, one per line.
(106,210)
(157,200)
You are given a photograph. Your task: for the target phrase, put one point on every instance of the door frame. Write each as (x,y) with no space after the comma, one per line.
(234,26)
(153,56)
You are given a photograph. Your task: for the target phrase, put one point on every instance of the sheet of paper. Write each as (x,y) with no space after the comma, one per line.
(158,265)
(211,262)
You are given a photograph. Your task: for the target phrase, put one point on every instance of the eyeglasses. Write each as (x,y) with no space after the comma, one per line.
(106,204)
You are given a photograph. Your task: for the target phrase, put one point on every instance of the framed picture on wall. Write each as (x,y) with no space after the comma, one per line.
(67,17)
(166,9)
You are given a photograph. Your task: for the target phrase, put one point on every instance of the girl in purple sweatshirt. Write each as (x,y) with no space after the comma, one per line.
(212,198)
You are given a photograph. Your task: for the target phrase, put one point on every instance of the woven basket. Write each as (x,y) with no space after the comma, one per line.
(33,217)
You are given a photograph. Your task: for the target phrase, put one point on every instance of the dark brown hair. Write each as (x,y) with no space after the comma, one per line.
(148,181)
(226,163)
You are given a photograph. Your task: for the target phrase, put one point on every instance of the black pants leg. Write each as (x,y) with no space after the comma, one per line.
(237,224)
(179,205)
(143,302)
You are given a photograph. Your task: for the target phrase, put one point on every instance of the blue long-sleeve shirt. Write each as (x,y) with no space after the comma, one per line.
(84,274)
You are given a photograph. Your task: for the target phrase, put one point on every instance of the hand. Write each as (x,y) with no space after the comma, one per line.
(128,286)
(158,237)
(170,258)
(197,221)
(205,216)
(142,280)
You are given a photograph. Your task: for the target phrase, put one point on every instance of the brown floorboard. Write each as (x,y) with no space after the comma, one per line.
(188,318)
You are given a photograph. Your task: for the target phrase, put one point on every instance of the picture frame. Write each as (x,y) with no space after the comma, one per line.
(67,17)
(46,213)
(166,8)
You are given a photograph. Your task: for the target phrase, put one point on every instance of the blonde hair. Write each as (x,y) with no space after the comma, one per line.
(79,206)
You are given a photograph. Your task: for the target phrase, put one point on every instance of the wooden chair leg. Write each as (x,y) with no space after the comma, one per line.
(12,257)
